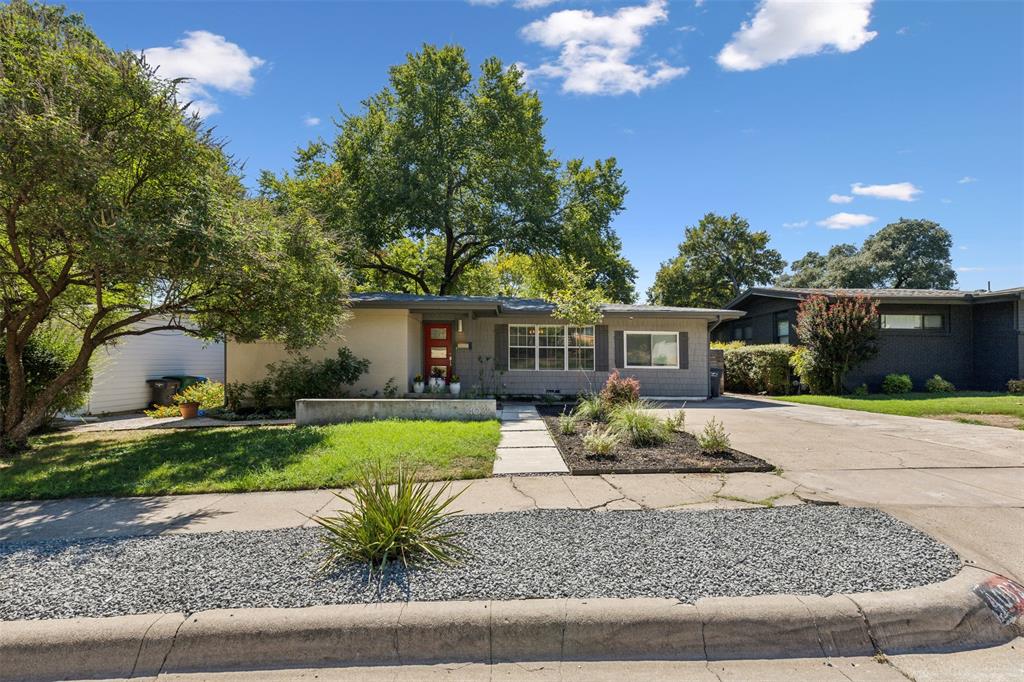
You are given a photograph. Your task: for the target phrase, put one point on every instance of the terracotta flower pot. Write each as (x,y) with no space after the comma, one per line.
(189,410)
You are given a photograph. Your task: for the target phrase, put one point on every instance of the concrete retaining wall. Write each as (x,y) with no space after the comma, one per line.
(328,411)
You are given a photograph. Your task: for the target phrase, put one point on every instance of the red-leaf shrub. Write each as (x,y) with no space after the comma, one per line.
(620,390)
(839,331)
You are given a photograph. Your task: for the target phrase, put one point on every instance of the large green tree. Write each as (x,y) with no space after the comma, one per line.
(122,216)
(907,254)
(440,172)
(719,257)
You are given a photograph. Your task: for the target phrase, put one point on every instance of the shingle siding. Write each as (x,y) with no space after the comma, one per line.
(476,366)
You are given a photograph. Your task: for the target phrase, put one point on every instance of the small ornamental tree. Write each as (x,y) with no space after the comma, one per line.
(839,332)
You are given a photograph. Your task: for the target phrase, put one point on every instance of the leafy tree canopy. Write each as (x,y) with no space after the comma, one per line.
(907,254)
(439,173)
(123,216)
(719,258)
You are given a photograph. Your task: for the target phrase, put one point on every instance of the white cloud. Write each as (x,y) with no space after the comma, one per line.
(901,191)
(903,30)
(966,180)
(534,4)
(840,198)
(783,29)
(595,50)
(686,29)
(844,221)
(210,62)
(971,269)
(798,223)
(311,121)
(962,248)
(946,201)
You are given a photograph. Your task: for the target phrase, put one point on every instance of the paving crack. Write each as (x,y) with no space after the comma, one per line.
(174,640)
(531,498)
(817,630)
(867,625)
(704,645)
(142,643)
(625,495)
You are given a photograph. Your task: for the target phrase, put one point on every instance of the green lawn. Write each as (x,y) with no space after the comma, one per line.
(956,405)
(240,459)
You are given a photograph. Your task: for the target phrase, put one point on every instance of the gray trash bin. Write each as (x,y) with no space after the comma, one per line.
(163,391)
(716,381)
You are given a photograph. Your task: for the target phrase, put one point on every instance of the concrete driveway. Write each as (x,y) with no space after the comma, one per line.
(961,483)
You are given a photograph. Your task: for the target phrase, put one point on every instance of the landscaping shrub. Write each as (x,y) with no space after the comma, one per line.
(714,439)
(235,394)
(808,370)
(209,394)
(939,385)
(759,369)
(48,354)
(600,441)
(620,391)
(591,408)
(677,422)
(1015,386)
(404,522)
(726,345)
(301,377)
(897,383)
(635,424)
(840,332)
(861,391)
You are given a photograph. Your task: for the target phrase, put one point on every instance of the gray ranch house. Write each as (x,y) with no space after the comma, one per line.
(510,346)
(972,338)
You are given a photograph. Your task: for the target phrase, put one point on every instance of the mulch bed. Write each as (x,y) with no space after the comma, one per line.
(680,456)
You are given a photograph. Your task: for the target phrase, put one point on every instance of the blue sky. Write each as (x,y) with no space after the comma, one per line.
(767,109)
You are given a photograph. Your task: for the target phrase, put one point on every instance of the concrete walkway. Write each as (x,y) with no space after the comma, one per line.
(526,446)
(112,517)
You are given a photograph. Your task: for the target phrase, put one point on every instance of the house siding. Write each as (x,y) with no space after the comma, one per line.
(476,365)
(120,370)
(981,346)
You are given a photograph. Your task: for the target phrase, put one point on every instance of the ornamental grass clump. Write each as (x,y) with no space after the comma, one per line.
(591,408)
(404,521)
(567,424)
(635,423)
(600,441)
(714,439)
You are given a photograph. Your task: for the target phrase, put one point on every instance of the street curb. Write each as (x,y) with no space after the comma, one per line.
(974,609)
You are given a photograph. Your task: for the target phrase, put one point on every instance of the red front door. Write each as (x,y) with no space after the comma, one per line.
(437,348)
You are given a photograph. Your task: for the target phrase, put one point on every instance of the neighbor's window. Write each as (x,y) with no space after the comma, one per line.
(652,349)
(912,321)
(550,347)
(781,330)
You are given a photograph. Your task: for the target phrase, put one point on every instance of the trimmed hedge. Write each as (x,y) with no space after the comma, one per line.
(759,369)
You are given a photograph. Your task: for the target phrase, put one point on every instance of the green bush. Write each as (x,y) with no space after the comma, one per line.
(209,394)
(634,423)
(726,345)
(404,521)
(939,385)
(809,371)
(759,369)
(714,438)
(620,391)
(600,441)
(861,391)
(301,377)
(897,383)
(1015,386)
(48,354)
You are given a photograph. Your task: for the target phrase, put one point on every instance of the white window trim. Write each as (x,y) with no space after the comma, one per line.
(565,348)
(625,353)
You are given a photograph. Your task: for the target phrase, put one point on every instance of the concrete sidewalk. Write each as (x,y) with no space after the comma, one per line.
(526,447)
(111,517)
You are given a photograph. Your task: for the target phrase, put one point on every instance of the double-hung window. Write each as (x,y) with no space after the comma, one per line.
(782,328)
(652,349)
(550,347)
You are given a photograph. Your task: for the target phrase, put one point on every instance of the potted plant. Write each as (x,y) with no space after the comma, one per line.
(455,385)
(417,384)
(436,380)
(189,408)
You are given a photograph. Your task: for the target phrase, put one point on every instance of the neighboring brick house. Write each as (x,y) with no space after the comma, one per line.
(511,346)
(972,338)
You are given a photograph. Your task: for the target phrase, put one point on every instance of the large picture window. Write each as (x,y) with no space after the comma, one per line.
(912,322)
(550,347)
(652,349)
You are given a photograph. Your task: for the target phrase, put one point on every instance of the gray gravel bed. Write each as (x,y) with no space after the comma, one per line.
(517,555)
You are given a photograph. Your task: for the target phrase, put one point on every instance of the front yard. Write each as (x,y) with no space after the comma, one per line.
(167,462)
(971,407)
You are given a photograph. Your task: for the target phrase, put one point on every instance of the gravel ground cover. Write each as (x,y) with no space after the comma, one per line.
(681,455)
(517,555)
